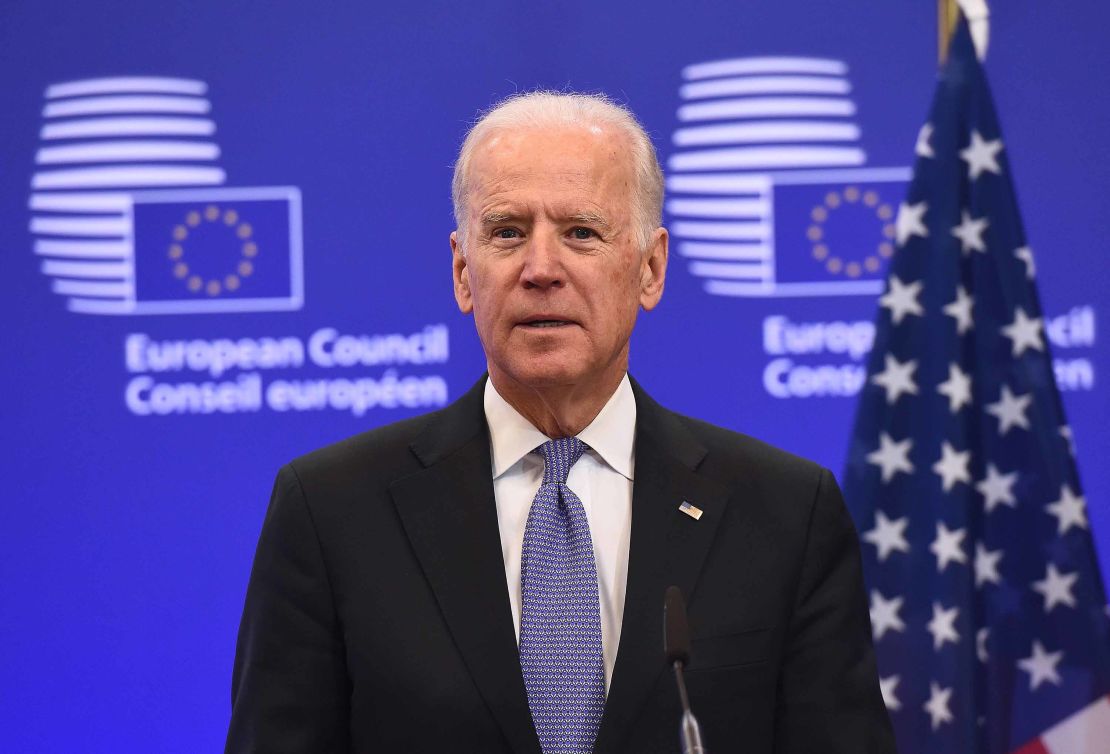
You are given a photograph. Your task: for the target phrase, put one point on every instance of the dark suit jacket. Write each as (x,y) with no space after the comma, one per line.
(377,616)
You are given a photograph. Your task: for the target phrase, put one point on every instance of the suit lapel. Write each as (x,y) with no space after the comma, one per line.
(666,547)
(449,514)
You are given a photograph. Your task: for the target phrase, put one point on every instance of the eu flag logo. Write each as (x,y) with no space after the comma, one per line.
(835,235)
(217,250)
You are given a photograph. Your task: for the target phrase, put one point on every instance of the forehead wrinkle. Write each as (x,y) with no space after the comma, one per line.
(581,209)
(516,179)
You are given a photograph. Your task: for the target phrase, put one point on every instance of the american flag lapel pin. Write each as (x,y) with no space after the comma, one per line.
(692,511)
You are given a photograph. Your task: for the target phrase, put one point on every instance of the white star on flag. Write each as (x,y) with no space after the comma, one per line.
(1010,410)
(970,232)
(948,546)
(884,614)
(1056,588)
(888,535)
(892,456)
(888,686)
(997,488)
(937,706)
(1041,666)
(1070,510)
(1025,332)
(896,378)
(952,466)
(942,626)
(1025,254)
(981,637)
(986,565)
(981,156)
(957,388)
(910,222)
(1065,432)
(923,148)
(901,299)
(960,310)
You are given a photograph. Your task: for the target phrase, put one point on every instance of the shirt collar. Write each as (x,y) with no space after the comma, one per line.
(610,435)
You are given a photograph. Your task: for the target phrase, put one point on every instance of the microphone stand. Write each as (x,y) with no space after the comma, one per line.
(676,645)
(690,731)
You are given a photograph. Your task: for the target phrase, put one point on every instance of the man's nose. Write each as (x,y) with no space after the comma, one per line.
(543,266)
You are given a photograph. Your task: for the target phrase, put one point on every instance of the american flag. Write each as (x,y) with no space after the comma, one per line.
(987,607)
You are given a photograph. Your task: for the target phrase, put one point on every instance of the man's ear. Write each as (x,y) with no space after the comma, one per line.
(460,274)
(653,269)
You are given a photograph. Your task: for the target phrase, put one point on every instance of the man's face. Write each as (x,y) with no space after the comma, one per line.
(549,261)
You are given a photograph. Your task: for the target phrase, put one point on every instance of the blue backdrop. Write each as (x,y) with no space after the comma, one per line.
(226,244)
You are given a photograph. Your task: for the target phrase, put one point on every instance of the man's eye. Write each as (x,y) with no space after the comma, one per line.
(506,233)
(582,234)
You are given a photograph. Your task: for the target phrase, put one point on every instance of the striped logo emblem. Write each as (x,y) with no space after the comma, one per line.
(130,215)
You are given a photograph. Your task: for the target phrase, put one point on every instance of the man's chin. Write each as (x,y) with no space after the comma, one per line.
(553,372)
(539,377)
(540,371)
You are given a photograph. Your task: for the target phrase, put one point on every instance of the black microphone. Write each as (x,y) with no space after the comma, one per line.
(676,646)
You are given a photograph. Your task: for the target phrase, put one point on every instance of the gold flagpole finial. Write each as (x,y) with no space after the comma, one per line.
(948,14)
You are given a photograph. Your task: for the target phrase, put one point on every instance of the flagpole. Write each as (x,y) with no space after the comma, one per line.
(948,14)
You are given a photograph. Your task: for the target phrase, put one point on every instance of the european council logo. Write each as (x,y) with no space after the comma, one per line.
(770,192)
(130,214)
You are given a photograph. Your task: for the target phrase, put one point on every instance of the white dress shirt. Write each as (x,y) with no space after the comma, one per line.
(602,480)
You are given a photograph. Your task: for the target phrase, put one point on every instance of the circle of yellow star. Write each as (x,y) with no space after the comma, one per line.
(244,266)
(819,214)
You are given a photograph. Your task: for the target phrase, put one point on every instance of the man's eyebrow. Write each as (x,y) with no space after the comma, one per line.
(490,218)
(586,218)
(590,218)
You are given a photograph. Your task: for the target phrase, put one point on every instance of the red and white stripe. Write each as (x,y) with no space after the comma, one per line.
(1085,732)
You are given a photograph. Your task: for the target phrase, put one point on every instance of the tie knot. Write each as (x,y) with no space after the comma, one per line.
(558,456)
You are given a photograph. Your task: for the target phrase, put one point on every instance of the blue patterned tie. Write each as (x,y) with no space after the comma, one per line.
(560,624)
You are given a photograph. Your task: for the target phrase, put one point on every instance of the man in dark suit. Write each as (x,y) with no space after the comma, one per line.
(437,586)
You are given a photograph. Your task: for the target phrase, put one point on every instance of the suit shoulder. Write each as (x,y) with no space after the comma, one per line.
(384,447)
(370,462)
(738,444)
(749,454)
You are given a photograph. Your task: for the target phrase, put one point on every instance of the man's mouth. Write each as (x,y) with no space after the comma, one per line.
(547,323)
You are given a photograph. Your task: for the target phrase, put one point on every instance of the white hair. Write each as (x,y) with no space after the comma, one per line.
(543,109)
